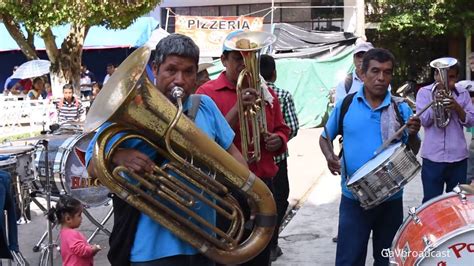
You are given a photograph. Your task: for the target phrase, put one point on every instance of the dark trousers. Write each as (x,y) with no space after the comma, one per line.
(355,225)
(262,259)
(435,175)
(181,260)
(281,192)
(7,203)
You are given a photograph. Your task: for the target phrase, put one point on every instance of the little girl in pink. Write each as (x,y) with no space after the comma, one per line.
(75,250)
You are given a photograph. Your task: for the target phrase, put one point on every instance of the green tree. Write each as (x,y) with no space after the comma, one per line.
(39,16)
(418,31)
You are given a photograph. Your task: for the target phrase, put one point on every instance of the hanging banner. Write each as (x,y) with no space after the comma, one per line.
(209,32)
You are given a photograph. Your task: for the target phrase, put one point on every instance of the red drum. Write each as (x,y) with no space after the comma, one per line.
(440,233)
(68,171)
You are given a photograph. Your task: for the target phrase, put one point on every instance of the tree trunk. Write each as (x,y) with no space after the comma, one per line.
(66,62)
(14,30)
(71,55)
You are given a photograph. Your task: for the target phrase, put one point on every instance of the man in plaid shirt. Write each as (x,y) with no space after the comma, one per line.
(280,181)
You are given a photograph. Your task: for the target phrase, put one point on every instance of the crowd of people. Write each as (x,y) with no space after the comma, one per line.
(366,115)
(69,107)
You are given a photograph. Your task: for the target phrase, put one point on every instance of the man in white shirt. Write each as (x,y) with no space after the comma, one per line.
(110,71)
(352,82)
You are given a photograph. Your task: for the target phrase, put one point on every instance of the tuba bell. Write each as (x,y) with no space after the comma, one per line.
(442,114)
(206,171)
(253,121)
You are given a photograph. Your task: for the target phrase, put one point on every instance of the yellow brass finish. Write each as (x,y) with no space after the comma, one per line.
(253,122)
(133,105)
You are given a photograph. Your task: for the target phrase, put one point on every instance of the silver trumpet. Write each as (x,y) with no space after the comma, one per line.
(442,114)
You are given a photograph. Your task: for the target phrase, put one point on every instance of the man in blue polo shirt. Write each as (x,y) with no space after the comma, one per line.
(363,134)
(136,238)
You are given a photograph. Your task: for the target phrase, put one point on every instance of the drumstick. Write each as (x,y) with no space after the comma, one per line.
(386,143)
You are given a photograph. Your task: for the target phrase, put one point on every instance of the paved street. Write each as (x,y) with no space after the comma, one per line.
(306,240)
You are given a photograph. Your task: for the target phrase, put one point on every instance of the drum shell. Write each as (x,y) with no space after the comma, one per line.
(68,170)
(22,158)
(386,179)
(442,227)
(9,165)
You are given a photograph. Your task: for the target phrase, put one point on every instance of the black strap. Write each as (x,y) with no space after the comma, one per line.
(195,102)
(348,82)
(346,102)
(397,112)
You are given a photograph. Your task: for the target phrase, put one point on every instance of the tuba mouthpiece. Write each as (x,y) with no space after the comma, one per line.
(177,92)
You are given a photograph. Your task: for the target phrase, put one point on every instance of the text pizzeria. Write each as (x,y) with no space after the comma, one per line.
(218,24)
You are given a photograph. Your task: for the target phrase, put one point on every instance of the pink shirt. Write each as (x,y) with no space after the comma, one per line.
(75,250)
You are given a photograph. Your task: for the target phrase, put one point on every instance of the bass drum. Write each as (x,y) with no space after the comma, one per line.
(68,171)
(440,232)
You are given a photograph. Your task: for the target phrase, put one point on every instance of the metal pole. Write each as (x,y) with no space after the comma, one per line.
(48,202)
(360,18)
(167,18)
(271,16)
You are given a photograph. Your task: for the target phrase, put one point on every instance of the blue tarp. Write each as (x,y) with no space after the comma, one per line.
(98,37)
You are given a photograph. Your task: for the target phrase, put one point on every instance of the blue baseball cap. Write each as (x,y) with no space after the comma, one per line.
(228,38)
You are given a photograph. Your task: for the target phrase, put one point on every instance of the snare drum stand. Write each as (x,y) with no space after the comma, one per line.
(50,246)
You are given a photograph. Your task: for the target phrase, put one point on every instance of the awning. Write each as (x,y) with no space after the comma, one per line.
(296,42)
(98,37)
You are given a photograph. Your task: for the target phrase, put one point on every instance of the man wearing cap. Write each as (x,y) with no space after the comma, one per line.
(223,91)
(202,74)
(352,83)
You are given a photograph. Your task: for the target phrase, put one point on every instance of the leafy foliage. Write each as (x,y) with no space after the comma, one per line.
(417,31)
(39,16)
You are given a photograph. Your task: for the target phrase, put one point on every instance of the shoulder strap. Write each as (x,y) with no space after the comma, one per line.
(348,82)
(195,101)
(346,102)
(397,111)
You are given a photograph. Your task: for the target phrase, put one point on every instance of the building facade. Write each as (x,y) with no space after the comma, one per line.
(324,15)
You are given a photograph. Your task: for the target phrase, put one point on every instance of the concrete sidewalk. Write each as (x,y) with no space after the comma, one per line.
(307,239)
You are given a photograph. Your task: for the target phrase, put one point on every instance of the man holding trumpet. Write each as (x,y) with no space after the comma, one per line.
(223,91)
(444,150)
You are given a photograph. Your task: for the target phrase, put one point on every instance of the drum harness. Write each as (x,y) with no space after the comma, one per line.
(346,102)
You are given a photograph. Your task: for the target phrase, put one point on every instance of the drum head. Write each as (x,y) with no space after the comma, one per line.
(78,183)
(374,163)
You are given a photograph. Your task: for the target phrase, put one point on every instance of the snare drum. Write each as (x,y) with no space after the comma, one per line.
(23,157)
(66,158)
(440,232)
(8,164)
(384,175)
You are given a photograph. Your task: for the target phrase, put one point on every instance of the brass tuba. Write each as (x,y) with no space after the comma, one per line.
(442,115)
(132,103)
(253,121)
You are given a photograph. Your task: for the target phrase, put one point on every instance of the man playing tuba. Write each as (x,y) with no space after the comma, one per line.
(444,150)
(223,92)
(136,238)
